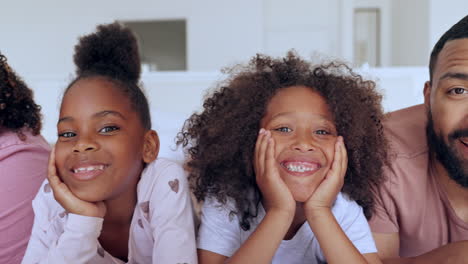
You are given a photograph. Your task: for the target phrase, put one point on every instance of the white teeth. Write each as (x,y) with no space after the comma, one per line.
(90,168)
(299,168)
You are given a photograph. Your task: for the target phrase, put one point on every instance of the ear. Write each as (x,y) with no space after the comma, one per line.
(427,95)
(150,146)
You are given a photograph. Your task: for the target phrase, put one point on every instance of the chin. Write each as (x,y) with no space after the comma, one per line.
(302,190)
(88,195)
(301,195)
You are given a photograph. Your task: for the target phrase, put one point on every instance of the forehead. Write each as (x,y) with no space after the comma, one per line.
(93,95)
(452,58)
(298,99)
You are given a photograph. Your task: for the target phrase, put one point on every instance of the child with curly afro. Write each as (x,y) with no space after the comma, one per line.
(108,198)
(285,156)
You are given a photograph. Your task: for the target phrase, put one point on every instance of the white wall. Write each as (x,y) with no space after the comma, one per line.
(443,15)
(305,25)
(410,33)
(221,33)
(38,36)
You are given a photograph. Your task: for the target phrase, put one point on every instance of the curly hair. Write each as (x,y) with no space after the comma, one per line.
(112,53)
(221,139)
(17,107)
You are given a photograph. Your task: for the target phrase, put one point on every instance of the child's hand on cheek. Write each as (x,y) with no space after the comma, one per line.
(325,194)
(67,199)
(276,195)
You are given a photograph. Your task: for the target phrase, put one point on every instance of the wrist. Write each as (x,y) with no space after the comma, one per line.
(318,212)
(97,210)
(281,215)
(281,209)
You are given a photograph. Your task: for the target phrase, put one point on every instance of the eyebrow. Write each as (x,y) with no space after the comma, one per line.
(288,113)
(108,112)
(96,115)
(455,75)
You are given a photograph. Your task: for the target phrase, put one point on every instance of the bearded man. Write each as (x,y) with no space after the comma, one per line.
(421,215)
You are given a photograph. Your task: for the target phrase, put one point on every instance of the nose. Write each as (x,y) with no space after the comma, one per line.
(85,144)
(303,142)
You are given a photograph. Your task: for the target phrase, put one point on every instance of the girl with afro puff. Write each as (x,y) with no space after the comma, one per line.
(108,199)
(285,156)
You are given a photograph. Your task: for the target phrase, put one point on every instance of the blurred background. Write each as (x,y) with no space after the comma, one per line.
(185,43)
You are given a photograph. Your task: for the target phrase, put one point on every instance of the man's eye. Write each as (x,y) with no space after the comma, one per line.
(283,129)
(458,90)
(67,134)
(322,132)
(108,129)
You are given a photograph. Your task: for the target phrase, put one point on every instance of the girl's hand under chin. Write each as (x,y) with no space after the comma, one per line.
(67,199)
(325,194)
(276,195)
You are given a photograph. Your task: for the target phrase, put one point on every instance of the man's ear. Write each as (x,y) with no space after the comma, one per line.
(150,146)
(427,95)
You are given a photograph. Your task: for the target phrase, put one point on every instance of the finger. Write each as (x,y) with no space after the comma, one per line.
(257,147)
(52,177)
(62,194)
(51,166)
(344,157)
(270,156)
(261,151)
(338,160)
(336,164)
(55,182)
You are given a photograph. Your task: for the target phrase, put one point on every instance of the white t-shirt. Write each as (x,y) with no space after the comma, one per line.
(161,231)
(221,233)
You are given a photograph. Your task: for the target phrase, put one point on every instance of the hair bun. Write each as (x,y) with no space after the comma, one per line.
(110,51)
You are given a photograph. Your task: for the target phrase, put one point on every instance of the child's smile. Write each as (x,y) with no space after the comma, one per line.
(300,166)
(87,171)
(305,136)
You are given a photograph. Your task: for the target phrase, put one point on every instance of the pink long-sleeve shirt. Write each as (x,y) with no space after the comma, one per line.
(23,167)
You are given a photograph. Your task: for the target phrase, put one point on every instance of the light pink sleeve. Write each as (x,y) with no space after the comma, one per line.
(172,219)
(75,241)
(22,169)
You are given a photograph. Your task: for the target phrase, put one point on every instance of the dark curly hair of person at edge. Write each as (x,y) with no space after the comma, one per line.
(18,110)
(221,139)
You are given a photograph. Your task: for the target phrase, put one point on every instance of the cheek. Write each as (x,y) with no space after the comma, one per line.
(280,145)
(329,152)
(128,155)
(443,124)
(61,153)
(446,114)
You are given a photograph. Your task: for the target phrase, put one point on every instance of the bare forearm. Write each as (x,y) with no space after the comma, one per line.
(265,240)
(336,246)
(452,253)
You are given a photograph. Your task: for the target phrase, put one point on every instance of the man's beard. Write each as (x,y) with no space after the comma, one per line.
(446,154)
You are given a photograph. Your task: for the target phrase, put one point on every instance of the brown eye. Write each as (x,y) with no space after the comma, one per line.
(108,129)
(458,90)
(67,134)
(283,129)
(322,132)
